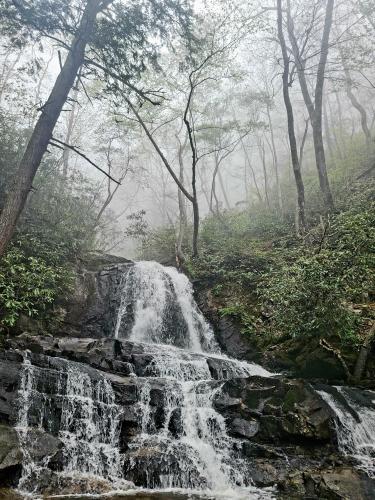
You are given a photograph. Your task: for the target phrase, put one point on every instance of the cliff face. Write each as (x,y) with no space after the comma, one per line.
(283,427)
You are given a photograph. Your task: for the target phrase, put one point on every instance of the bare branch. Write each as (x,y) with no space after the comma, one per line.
(54,140)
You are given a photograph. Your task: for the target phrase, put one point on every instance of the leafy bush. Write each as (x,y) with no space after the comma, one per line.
(312,294)
(28,285)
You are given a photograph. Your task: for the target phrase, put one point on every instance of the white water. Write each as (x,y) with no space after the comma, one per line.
(203,457)
(88,426)
(155,291)
(190,451)
(356,439)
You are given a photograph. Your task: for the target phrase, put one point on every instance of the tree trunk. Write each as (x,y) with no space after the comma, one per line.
(42,133)
(356,104)
(300,222)
(315,108)
(66,152)
(334,133)
(248,162)
(204,188)
(327,132)
(276,163)
(223,190)
(195,227)
(318,110)
(363,355)
(213,187)
(181,204)
(262,155)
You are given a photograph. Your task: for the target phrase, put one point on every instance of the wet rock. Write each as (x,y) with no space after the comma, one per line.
(275,409)
(175,424)
(10,363)
(73,485)
(243,428)
(263,473)
(90,310)
(228,332)
(10,451)
(256,450)
(8,494)
(336,483)
(35,444)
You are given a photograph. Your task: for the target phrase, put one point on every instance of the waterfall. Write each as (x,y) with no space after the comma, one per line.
(355,426)
(182,443)
(158,303)
(87,422)
(193,451)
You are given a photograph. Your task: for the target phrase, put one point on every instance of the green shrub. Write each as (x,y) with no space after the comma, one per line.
(28,285)
(312,294)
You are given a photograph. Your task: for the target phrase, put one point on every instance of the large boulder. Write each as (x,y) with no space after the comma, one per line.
(274,410)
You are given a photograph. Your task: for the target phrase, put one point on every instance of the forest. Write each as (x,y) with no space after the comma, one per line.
(231,144)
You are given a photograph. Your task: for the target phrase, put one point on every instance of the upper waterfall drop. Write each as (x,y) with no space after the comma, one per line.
(157,306)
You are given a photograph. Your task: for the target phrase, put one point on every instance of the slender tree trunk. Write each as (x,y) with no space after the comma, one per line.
(355,103)
(195,227)
(363,355)
(248,162)
(262,155)
(213,194)
(181,204)
(276,162)
(42,133)
(223,190)
(327,131)
(315,108)
(66,152)
(334,133)
(317,125)
(301,221)
(204,188)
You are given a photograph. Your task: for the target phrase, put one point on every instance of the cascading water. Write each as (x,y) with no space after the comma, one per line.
(193,450)
(151,423)
(355,426)
(87,423)
(182,443)
(157,305)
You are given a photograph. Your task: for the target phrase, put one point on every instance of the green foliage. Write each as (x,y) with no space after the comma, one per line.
(57,227)
(312,292)
(158,244)
(240,313)
(28,285)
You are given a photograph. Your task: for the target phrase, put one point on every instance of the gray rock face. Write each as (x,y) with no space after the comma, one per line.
(227,332)
(91,309)
(36,445)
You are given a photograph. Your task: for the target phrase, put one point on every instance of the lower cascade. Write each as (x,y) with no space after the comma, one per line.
(191,449)
(144,415)
(355,424)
